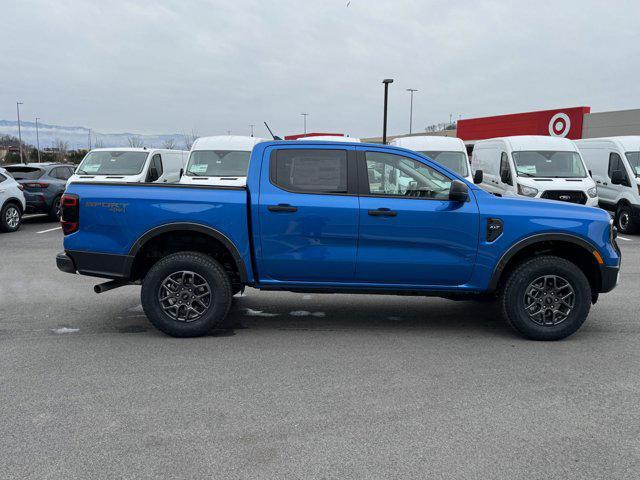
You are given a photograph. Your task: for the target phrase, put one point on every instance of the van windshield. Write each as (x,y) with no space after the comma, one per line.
(456,161)
(112,162)
(218,163)
(634,162)
(549,164)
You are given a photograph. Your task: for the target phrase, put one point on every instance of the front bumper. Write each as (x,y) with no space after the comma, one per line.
(608,278)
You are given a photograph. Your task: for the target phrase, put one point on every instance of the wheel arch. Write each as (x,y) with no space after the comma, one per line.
(14,200)
(199,230)
(572,247)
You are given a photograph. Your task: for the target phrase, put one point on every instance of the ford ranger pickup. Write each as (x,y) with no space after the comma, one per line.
(340,218)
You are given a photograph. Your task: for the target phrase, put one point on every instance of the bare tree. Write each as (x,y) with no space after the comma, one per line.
(98,144)
(61,147)
(135,142)
(169,144)
(189,138)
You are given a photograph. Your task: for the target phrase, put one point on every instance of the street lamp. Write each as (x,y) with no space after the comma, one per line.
(386,82)
(38,140)
(304,115)
(19,132)
(411,90)
(89,139)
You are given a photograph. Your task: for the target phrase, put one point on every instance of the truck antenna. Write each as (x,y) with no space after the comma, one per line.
(274,136)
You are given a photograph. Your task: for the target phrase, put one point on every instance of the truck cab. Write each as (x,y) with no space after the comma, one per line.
(534,166)
(220,160)
(340,218)
(448,151)
(615,165)
(130,165)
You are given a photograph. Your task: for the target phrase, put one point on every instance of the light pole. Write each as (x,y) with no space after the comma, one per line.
(89,139)
(386,82)
(19,132)
(38,140)
(411,90)
(252,125)
(304,115)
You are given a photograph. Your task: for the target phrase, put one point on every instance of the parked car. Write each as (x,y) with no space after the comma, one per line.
(332,217)
(534,166)
(12,202)
(615,165)
(131,165)
(219,160)
(448,151)
(44,184)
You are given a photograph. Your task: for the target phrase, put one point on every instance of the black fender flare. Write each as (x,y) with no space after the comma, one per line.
(194,227)
(527,241)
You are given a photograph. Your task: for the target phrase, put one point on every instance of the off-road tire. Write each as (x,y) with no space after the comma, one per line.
(512,301)
(207,268)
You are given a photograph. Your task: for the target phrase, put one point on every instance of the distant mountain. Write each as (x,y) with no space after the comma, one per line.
(78,137)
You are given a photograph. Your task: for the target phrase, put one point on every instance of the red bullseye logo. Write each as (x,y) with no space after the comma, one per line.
(559,125)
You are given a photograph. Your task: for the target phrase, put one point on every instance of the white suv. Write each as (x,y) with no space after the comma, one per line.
(12,203)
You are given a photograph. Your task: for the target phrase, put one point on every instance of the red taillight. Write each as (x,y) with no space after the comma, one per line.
(36,185)
(70,218)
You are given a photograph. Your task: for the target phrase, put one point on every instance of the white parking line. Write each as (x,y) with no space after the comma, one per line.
(50,230)
(625,239)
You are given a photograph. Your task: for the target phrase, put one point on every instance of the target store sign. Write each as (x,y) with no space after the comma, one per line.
(563,122)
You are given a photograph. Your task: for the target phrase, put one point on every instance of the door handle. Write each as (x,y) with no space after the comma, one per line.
(382,212)
(282,207)
(598,182)
(605,183)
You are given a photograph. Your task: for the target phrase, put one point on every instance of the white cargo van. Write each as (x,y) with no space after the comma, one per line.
(331,138)
(533,166)
(448,151)
(131,165)
(615,165)
(220,160)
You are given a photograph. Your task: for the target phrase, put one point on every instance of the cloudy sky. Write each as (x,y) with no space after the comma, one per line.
(211,66)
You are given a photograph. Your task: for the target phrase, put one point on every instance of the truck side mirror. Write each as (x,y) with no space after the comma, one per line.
(478,177)
(617,177)
(181,172)
(590,173)
(153,175)
(459,192)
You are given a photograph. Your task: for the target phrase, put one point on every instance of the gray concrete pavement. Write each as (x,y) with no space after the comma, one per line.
(306,386)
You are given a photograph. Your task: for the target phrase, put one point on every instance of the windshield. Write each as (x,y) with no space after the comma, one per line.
(456,161)
(112,163)
(549,164)
(218,163)
(634,162)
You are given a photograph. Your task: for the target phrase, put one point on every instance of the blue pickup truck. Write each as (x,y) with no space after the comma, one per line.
(340,218)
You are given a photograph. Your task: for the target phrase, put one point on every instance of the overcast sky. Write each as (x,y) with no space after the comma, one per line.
(210,66)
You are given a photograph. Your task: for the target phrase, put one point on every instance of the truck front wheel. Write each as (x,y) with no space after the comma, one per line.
(546,298)
(186,294)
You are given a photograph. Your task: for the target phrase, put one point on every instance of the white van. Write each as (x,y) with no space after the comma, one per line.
(131,165)
(448,151)
(615,166)
(220,160)
(533,166)
(331,138)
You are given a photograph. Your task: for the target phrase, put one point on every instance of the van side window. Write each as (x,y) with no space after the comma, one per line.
(505,171)
(155,168)
(634,162)
(395,175)
(310,170)
(615,163)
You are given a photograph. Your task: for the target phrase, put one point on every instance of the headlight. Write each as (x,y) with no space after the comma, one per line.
(527,191)
(592,192)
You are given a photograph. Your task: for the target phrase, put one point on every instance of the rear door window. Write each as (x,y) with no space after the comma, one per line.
(310,170)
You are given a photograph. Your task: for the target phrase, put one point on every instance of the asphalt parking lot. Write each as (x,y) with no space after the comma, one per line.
(306,386)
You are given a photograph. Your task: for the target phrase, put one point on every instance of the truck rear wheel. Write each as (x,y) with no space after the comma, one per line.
(546,298)
(186,294)
(624,220)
